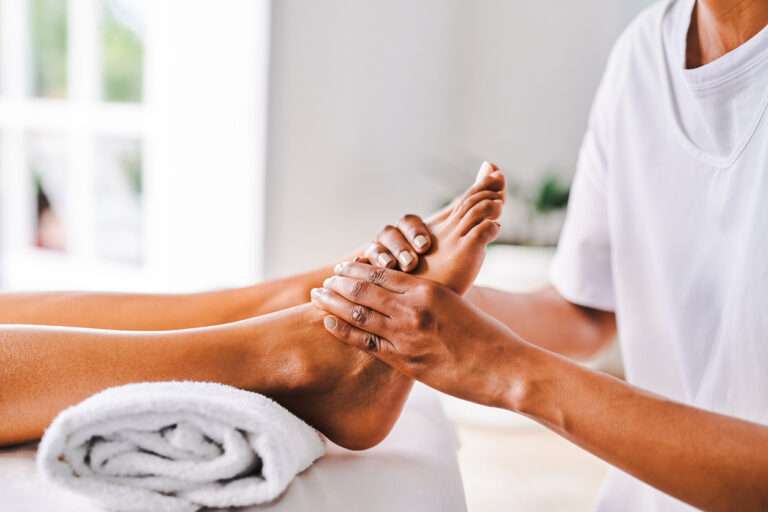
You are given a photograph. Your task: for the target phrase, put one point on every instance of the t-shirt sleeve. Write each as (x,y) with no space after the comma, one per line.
(581,270)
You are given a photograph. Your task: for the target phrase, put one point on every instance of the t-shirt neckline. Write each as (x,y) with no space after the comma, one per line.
(717,73)
(728,67)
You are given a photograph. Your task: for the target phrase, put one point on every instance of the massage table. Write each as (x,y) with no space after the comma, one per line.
(415,468)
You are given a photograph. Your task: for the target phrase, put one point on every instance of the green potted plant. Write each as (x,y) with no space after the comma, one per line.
(534,216)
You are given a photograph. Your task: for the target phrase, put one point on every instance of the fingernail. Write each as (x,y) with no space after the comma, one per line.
(485,169)
(330,322)
(327,282)
(384,259)
(338,269)
(406,258)
(420,241)
(316,292)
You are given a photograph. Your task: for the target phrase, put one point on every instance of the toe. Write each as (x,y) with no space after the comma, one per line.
(484,233)
(490,177)
(487,209)
(494,181)
(461,209)
(486,168)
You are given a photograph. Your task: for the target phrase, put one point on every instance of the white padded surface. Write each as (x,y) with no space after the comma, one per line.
(415,468)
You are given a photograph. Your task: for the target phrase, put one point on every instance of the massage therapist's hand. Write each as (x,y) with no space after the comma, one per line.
(423,329)
(400,245)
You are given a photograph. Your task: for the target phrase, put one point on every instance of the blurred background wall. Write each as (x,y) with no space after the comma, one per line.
(188,144)
(383,108)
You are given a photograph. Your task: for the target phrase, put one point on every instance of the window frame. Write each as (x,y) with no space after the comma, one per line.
(186,162)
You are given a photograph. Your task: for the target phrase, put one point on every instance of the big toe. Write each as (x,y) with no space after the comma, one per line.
(489,177)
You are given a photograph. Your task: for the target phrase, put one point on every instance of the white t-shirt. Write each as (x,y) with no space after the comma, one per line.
(668,224)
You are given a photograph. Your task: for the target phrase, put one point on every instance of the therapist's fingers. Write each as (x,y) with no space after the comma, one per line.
(416,232)
(399,246)
(392,280)
(380,256)
(357,315)
(364,293)
(373,343)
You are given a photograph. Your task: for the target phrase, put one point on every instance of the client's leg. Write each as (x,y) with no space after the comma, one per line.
(158,312)
(351,397)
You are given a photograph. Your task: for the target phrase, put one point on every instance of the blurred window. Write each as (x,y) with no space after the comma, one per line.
(111,139)
(122,56)
(48,47)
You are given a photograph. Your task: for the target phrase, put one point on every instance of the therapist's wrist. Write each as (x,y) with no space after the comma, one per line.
(531,382)
(545,387)
(506,373)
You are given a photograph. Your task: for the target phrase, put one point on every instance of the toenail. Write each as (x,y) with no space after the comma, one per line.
(485,169)
(384,259)
(330,322)
(406,258)
(420,241)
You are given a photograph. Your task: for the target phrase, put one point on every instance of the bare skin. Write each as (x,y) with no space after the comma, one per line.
(720,26)
(351,397)
(156,312)
(543,316)
(434,335)
(468,349)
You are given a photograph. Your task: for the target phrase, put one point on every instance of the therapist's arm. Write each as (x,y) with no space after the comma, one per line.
(544,318)
(708,460)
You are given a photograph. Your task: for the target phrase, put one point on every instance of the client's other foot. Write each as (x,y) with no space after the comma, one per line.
(351,397)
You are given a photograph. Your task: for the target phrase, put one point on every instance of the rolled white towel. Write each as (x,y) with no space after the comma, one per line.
(177,447)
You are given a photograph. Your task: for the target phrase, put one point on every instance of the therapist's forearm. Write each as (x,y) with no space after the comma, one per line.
(152,312)
(545,318)
(710,461)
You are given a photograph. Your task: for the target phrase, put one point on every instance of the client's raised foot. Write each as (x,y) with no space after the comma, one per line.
(353,398)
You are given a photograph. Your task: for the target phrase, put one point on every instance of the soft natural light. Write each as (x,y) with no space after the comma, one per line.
(114,135)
